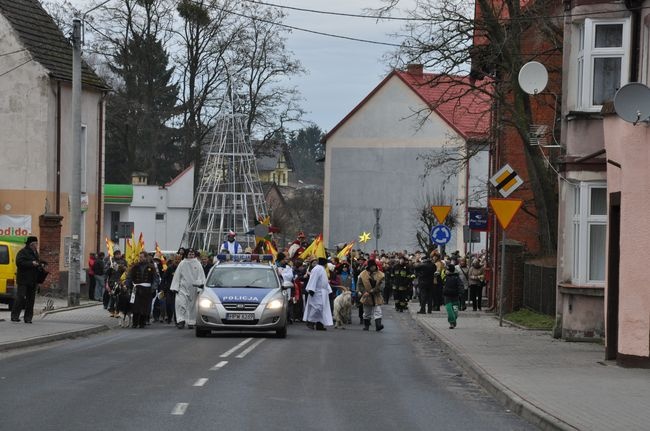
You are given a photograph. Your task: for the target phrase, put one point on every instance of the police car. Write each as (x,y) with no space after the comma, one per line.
(242,293)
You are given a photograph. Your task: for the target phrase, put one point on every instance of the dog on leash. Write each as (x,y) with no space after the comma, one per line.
(124,307)
(342,308)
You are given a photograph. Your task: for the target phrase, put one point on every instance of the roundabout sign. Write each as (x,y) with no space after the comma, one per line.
(440,234)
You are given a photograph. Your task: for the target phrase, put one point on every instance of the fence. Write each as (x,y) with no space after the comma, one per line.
(539,287)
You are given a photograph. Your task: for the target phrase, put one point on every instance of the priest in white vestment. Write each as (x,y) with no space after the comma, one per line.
(318,314)
(189,272)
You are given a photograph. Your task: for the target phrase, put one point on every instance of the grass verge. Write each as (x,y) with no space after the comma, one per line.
(531,319)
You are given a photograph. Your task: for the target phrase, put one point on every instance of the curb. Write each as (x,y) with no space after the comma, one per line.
(508,398)
(52,337)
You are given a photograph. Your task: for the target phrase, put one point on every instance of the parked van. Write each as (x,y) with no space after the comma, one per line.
(8,252)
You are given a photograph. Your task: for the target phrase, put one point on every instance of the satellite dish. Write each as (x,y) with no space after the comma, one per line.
(632,102)
(533,77)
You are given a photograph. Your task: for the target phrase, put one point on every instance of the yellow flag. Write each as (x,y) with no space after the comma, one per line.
(161,256)
(109,247)
(346,250)
(311,249)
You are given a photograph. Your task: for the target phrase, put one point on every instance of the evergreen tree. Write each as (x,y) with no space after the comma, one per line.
(306,149)
(138,136)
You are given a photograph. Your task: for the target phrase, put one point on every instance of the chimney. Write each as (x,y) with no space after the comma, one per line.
(139,178)
(414,69)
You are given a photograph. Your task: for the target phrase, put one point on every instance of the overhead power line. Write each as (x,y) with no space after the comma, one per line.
(14,68)
(393,18)
(323,12)
(321,33)
(13,52)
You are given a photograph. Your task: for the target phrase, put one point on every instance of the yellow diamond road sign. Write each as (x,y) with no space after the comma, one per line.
(506,180)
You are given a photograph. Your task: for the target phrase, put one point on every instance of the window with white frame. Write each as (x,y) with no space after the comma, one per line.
(603,60)
(589,233)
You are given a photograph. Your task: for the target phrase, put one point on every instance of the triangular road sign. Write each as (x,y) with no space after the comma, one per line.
(441,212)
(505,209)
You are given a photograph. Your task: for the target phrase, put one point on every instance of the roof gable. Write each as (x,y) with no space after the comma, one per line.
(45,41)
(452,98)
(455,100)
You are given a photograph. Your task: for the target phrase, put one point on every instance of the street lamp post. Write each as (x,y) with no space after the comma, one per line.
(75,194)
(377,228)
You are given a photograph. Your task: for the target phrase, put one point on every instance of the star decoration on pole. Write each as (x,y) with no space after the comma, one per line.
(364,237)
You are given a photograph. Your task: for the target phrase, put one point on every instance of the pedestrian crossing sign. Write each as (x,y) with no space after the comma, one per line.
(506,180)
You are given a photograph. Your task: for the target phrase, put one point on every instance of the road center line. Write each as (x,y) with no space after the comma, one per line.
(200,382)
(179,409)
(250,348)
(229,352)
(219,365)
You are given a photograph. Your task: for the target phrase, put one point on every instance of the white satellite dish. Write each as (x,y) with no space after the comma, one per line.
(632,102)
(533,77)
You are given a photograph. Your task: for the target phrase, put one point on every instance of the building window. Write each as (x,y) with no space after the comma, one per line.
(603,61)
(589,233)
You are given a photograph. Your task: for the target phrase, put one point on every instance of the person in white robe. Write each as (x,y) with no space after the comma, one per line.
(317,313)
(188,273)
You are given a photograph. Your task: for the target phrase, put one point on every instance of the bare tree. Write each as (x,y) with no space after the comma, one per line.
(425,220)
(262,61)
(447,37)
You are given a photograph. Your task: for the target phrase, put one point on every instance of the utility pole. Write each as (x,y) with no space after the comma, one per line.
(75,195)
(377,228)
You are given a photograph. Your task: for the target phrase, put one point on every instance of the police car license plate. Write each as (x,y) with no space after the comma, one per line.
(240,316)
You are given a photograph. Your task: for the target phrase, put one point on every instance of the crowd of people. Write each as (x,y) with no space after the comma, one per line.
(156,291)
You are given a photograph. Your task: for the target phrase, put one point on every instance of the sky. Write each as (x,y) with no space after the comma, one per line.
(340,73)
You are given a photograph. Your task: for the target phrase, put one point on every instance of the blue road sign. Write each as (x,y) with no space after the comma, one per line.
(440,234)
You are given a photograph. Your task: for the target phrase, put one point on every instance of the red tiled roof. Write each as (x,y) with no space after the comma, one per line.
(467,111)
(455,100)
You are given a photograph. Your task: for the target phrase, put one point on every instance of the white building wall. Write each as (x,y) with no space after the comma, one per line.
(372,162)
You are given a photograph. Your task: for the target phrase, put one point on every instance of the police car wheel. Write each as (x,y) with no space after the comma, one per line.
(281,333)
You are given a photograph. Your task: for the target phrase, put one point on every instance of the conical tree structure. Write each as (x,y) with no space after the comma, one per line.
(229,196)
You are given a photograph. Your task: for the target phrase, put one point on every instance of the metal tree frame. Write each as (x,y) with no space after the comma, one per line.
(229,196)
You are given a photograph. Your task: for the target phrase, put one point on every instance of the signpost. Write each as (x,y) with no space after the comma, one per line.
(505,210)
(506,180)
(441,212)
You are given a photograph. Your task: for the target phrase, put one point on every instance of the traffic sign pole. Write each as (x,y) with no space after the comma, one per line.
(502,281)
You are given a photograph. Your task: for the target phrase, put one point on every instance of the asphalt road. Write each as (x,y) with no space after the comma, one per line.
(161,378)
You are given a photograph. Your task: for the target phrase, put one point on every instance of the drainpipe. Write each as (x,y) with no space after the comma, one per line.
(100,171)
(57,192)
(634,6)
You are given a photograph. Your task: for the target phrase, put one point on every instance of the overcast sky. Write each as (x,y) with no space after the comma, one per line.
(340,73)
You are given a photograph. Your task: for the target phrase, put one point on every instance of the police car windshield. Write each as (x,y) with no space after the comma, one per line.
(254,278)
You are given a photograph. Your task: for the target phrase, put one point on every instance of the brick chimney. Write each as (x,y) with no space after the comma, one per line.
(414,69)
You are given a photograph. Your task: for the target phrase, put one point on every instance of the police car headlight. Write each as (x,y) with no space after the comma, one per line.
(275,304)
(206,303)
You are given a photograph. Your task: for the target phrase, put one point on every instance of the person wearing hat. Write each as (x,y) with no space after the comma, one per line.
(370,286)
(230,245)
(29,269)
(451,292)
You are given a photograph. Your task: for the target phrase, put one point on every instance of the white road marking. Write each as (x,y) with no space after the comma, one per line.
(249,349)
(179,409)
(219,365)
(200,382)
(229,352)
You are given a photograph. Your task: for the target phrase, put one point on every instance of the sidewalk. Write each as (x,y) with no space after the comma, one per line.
(553,384)
(53,320)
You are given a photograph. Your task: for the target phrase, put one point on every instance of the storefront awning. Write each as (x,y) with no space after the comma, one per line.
(118,193)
